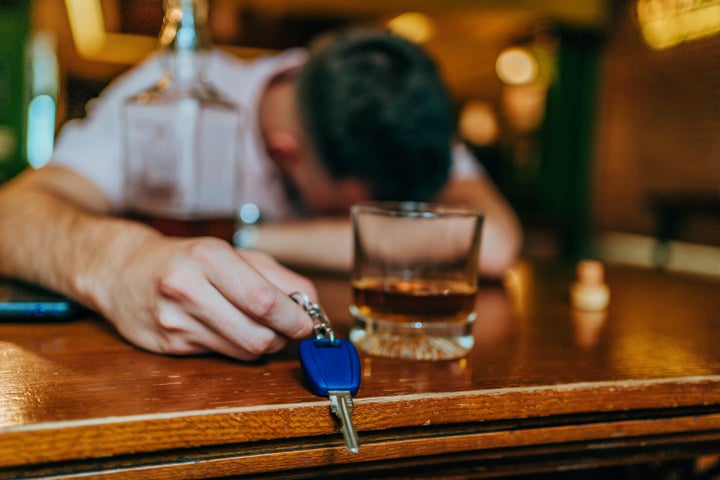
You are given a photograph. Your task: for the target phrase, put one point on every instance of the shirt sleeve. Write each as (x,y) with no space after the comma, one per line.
(92,146)
(464,163)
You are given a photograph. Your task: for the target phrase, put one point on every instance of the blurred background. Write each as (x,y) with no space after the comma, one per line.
(598,119)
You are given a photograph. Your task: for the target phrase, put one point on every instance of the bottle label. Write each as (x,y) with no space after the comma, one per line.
(181,158)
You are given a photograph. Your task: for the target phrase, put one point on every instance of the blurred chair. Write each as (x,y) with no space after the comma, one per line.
(672,211)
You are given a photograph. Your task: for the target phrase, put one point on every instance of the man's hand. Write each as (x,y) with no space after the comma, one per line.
(166,295)
(188,296)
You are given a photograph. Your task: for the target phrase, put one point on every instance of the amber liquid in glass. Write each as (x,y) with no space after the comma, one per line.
(411,301)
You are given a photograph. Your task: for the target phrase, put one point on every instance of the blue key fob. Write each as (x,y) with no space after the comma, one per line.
(330,365)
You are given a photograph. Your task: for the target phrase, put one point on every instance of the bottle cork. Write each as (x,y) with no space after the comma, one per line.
(590,292)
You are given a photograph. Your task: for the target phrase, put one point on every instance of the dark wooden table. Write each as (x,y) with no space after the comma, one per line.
(544,389)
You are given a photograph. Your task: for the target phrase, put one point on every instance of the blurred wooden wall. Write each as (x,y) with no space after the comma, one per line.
(658,131)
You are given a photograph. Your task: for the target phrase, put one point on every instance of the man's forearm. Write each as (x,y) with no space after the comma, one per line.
(320,243)
(502,231)
(165,295)
(46,239)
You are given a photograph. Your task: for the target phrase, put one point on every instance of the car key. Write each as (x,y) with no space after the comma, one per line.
(333,370)
(332,366)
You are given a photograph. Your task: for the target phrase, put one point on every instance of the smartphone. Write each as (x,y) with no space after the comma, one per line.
(20,301)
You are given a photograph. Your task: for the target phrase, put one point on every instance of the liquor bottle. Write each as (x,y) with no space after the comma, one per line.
(181,136)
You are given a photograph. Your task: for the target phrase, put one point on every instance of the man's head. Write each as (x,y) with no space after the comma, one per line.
(376,110)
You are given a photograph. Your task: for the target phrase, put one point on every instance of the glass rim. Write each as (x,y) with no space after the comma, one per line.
(412,209)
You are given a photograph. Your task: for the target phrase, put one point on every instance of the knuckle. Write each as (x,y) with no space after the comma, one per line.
(263,301)
(204,249)
(172,284)
(167,322)
(174,344)
(177,286)
(260,343)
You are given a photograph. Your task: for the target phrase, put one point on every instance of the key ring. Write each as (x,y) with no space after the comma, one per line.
(322,326)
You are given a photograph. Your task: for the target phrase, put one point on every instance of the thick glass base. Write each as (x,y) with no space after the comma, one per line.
(412,341)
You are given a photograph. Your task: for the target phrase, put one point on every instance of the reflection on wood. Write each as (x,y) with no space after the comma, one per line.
(647,384)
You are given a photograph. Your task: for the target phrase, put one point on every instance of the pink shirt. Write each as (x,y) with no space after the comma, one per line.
(92,146)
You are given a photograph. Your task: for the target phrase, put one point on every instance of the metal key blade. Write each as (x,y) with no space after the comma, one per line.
(342,406)
(332,368)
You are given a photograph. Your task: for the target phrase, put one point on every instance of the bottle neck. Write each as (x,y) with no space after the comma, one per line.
(185,38)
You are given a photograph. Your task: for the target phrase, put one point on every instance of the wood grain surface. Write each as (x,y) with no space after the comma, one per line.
(544,385)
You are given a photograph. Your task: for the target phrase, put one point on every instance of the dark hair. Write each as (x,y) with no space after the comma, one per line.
(376,109)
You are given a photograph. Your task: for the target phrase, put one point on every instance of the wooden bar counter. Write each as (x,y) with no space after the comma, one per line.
(545,389)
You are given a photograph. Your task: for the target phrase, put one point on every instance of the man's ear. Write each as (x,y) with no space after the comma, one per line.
(283,147)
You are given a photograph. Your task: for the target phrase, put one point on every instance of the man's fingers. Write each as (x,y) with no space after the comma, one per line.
(287,280)
(241,313)
(251,291)
(189,296)
(183,334)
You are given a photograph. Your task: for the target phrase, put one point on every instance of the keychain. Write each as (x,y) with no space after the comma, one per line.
(332,367)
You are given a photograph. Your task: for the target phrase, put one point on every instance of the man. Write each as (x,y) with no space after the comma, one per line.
(365,116)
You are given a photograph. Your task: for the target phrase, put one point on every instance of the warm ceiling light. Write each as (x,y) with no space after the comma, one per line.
(416,27)
(523,106)
(665,23)
(94,43)
(87,25)
(478,123)
(517,66)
